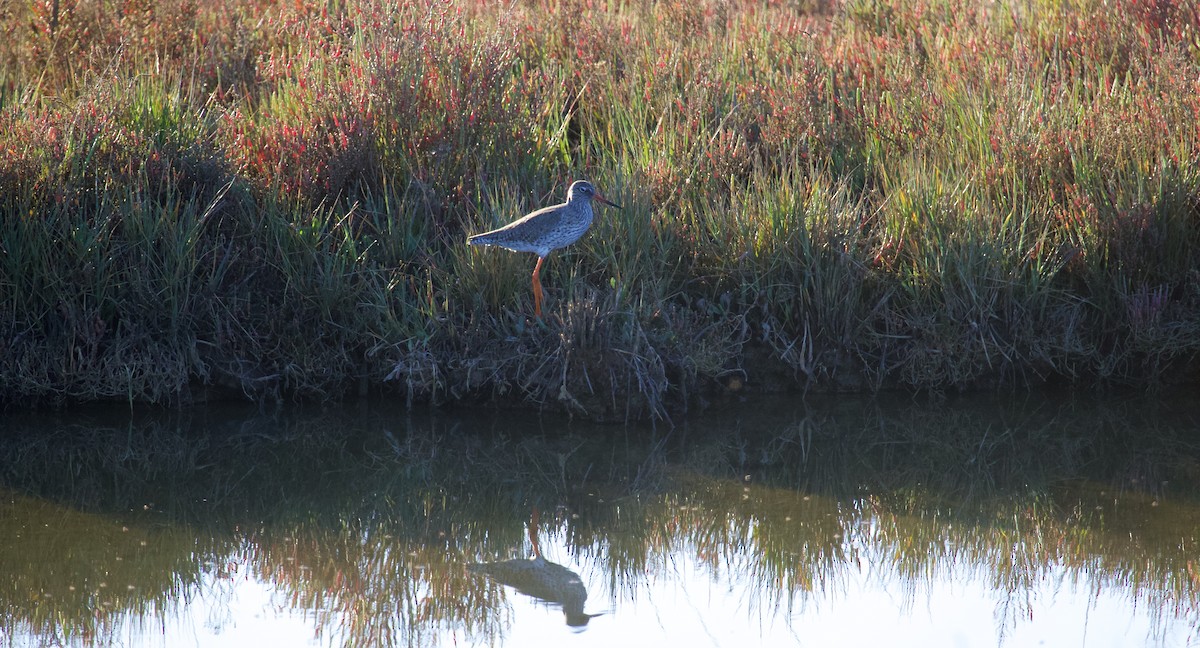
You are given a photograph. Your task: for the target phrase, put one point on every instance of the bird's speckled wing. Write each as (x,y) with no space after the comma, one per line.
(519,234)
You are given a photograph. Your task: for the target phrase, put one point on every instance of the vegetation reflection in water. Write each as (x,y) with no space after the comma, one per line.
(364,521)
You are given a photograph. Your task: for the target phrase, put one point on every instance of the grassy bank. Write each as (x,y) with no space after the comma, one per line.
(272,198)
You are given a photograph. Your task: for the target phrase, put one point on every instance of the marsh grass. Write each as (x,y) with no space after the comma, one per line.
(271,198)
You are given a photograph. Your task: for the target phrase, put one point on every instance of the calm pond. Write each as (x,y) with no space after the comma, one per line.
(774,521)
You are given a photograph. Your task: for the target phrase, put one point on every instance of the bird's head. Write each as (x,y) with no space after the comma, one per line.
(584,190)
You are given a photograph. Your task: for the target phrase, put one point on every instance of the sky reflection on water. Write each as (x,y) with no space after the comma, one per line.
(840,522)
(686,603)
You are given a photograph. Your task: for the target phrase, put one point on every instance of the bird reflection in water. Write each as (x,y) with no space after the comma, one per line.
(541,579)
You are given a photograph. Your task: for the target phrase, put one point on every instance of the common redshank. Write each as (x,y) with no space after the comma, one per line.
(547,229)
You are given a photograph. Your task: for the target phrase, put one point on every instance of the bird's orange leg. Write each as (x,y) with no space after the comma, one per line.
(537,287)
(533,533)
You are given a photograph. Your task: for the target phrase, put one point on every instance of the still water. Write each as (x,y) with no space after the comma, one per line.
(783,521)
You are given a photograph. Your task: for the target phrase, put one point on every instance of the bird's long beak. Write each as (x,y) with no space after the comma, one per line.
(606,201)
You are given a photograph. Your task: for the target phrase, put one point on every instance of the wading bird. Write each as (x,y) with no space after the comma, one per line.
(547,229)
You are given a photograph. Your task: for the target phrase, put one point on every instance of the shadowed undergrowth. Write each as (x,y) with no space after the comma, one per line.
(271,199)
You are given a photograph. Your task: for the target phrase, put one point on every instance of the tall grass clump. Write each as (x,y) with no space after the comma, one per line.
(272,198)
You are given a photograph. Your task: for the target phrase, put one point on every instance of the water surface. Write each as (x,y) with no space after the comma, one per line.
(847,521)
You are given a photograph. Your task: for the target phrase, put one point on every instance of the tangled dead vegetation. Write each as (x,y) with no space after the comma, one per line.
(591,358)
